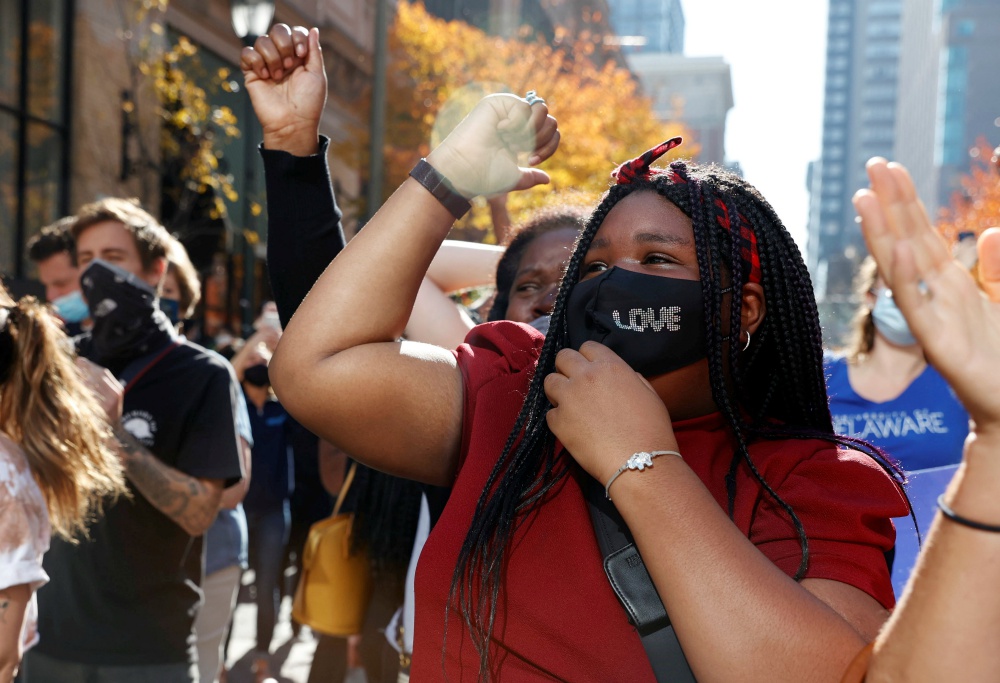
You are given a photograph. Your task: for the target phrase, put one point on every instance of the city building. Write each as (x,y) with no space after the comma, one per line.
(968,99)
(545,17)
(914,82)
(859,122)
(80,120)
(697,91)
(648,25)
(916,106)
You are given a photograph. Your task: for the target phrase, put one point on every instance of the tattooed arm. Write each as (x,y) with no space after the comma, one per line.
(13,603)
(190,502)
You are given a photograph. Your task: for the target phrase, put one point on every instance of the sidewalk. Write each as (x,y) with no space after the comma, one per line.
(290,657)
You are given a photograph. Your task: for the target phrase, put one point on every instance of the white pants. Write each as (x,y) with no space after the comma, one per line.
(212,622)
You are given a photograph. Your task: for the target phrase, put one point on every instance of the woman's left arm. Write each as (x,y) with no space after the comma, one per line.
(13,606)
(736,614)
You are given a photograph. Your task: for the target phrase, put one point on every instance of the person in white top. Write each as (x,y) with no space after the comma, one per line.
(55,466)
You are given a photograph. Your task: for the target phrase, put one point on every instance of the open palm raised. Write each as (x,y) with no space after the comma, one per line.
(957,324)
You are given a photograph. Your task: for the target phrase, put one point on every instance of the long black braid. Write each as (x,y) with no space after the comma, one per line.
(775,389)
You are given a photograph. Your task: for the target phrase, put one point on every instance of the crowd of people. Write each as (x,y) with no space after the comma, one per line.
(634,462)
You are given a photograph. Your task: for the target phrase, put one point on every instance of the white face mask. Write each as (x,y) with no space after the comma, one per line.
(889,320)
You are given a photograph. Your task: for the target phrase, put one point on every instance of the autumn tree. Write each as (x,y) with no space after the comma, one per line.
(190,125)
(977,206)
(439,69)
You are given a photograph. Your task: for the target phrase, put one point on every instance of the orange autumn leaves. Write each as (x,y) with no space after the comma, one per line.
(977,206)
(439,69)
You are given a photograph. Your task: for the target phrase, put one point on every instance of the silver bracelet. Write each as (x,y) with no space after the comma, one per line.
(638,461)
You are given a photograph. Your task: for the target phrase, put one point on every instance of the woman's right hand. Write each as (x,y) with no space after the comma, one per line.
(106,388)
(956,323)
(480,156)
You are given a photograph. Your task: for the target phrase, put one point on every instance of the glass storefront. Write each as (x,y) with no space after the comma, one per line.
(34,131)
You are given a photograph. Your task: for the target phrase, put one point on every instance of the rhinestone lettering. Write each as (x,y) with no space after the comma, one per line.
(641,319)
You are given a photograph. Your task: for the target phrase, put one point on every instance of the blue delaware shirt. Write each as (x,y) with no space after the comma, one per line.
(924,427)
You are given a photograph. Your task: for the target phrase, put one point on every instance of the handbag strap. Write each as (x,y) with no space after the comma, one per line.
(140,366)
(343,489)
(634,588)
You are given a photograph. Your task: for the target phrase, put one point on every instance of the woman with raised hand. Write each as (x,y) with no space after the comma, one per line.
(56,468)
(946,623)
(764,541)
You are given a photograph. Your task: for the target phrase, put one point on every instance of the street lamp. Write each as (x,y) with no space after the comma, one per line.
(251,18)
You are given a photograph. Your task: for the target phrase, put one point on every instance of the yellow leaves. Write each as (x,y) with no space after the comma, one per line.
(190,121)
(255,209)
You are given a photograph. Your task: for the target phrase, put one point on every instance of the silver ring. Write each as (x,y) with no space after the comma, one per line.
(533,98)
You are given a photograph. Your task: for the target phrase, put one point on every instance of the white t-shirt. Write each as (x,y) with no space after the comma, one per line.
(24,531)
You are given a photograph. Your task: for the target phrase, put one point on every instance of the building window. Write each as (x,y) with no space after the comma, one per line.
(883,29)
(882,50)
(34,128)
(882,72)
(840,9)
(836,98)
(950,134)
(840,27)
(965,28)
(882,8)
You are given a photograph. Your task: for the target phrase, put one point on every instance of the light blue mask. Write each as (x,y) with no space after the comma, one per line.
(889,320)
(72,308)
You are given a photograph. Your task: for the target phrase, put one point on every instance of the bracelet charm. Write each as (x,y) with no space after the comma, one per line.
(637,461)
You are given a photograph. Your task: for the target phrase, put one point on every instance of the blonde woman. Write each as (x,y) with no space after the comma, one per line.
(56,469)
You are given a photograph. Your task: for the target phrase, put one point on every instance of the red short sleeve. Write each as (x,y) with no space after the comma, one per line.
(501,351)
(844,500)
(498,348)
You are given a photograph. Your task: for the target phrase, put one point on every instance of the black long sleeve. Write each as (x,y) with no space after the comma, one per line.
(304,232)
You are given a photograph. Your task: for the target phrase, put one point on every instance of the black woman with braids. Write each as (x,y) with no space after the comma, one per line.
(763,540)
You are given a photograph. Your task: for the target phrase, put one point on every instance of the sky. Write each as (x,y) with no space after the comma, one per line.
(776,50)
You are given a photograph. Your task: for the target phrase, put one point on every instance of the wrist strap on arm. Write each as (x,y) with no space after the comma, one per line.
(438,185)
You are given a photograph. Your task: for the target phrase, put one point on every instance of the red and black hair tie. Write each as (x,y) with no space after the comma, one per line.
(747,239)
(641,166)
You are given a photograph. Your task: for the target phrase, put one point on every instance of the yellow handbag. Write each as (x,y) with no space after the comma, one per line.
(335,587)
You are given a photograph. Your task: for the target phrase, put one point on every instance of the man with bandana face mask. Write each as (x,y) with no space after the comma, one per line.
(123,603)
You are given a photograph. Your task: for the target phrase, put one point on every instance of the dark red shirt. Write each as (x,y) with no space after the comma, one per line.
(558,618)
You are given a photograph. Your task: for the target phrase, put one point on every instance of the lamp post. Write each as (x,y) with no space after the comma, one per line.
(377,141)
(251,19)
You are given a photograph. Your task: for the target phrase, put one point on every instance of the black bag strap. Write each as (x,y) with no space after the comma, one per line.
(635,590)
(140,366)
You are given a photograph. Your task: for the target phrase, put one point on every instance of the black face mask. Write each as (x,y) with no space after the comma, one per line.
(256,375)
(655,324)
(128,323)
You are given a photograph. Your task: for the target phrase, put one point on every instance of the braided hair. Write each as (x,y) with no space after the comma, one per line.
(773,389)
(386,512)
